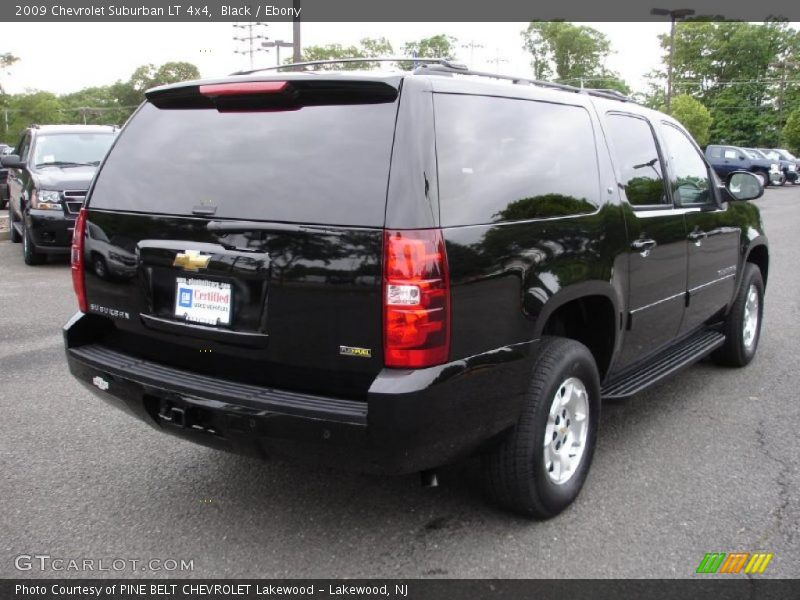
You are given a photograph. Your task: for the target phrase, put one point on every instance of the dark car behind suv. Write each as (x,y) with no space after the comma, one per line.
(727,159)
(392,272)
(47,182)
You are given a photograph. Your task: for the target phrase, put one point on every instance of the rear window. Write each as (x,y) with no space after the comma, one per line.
(503,159)
(318,164)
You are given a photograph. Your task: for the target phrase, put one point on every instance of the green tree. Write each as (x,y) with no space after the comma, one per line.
(734,69)
(791,132)
(32,107)
(367,48)
(574,54)
(694,116)
(437,46)
(94,105)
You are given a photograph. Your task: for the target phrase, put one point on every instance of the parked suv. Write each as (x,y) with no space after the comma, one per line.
(790,165)
(392,272)
(4,149)
(47,182)
(727,159)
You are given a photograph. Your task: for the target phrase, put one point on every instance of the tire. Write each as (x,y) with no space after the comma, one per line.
(762,178)
(29,254)
(741,334)
(99,266)
(16,238)
(519,473)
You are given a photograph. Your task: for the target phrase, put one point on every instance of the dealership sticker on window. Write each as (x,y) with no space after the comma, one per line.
(202,301)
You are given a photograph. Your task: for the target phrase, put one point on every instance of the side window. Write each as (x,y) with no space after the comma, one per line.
(715,152)
(691,184)
(731,154)
(504,159)
(24,146)
(637,159)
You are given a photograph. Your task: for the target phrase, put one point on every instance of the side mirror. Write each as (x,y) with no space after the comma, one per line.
(741,157)
(13,161)
(743,185)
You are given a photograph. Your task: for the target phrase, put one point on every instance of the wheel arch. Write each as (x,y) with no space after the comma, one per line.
(588,313)
(758,254)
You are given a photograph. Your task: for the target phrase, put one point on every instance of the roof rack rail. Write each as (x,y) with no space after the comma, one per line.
(608,93)
(314,63)
(442,67)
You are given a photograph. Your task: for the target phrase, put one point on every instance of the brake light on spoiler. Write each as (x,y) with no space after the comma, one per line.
(243,88)
(416,299)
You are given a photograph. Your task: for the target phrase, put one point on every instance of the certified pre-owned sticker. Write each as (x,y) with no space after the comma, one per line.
(353,351)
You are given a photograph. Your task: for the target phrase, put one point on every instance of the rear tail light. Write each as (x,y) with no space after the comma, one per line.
(76,255)
(416,299)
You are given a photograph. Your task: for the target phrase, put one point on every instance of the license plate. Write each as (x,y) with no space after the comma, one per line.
(203,301)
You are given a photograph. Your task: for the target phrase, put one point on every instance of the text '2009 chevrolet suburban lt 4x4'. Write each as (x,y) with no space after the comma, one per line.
(392,272)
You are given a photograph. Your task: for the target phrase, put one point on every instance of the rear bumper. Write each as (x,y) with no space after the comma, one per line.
(50,231)
(412,420)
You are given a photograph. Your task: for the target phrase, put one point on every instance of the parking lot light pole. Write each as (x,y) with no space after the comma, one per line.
(674,15)
(277,44)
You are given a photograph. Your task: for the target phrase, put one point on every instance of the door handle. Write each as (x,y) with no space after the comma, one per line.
(697,237)
(643,247)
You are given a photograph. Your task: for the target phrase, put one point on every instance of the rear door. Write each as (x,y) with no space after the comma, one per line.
(243,238)
(656,237)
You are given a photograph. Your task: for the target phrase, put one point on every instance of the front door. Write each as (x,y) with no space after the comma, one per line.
(712,235)
(657,240)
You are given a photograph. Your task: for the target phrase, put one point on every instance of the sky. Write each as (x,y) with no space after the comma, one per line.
(101,53)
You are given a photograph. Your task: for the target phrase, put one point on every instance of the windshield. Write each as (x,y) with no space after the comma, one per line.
(785,154)
(771,154)
(753,153)
(71,149)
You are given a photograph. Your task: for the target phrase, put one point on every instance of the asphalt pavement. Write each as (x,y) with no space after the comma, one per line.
(704,462)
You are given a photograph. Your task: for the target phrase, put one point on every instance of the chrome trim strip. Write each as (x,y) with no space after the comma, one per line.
(665,212)
(657,302)
(713,281)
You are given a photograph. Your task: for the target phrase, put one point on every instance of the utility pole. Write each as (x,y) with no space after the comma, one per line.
(297,51)
(249,36)
(674,15)
(497,59)
(472,45)
(784,63)
(277,44)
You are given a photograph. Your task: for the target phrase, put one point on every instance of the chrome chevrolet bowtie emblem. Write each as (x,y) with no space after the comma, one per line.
(191,260)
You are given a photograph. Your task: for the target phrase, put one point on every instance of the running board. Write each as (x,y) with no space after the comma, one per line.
(674,358)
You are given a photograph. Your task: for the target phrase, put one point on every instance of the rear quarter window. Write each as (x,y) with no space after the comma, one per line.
(319,164)
(504,159)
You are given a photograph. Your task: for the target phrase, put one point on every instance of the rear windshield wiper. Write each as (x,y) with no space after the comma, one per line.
(67,163)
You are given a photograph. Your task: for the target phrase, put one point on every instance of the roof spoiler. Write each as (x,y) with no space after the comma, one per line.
(272,94)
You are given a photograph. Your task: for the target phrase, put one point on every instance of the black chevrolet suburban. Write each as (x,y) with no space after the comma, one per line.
(47,182)
(392,272)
